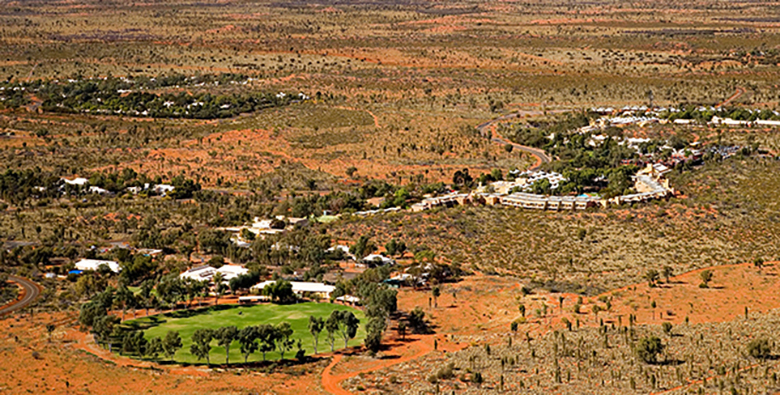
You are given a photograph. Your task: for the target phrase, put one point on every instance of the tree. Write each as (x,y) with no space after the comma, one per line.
(316,324)
(348,325)
(395,247)
(104,327)
(759,349)
(171,344)
(219,286)
(89,312)
(374,329)
(648,349)
(417,321)
(154,348)
(280,291)
(146,294)
(522,309)
(50,328)
(247,339)
(225,336)
(267,336)
(667,327)
(436,293)
(401,329)
(332,326)
(362,247)
(668,272)
(351,171)
(125,298)
(652,277)
(201,344)
(284,331)
(706,277)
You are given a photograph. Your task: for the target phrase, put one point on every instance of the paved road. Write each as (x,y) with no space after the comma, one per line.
(541,156)
(31,292)
(737,94)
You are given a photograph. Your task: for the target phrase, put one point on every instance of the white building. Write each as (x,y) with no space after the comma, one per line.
(378,260)
(303,288)
(206,273)
(78,181)
(94,264)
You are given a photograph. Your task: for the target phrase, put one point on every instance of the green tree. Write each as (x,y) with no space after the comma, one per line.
(201,344)
(401,327)
(267,335)
(171,344)
(362,247)
(348,325)
(284,331)
(648,348)
(280,291)
(219,286)
(316,324)
(436,292)
(49,329)
(225,337)
(332,326)
(154,348)
(374,329)
(247,339)
(417,321)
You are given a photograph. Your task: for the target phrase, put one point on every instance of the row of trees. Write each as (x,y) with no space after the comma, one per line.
(263,338)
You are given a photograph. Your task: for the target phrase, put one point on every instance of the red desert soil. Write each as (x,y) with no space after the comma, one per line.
(481,311)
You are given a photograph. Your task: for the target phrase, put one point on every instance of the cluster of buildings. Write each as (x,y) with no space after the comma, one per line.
(264,227)
(83,183)
(643,115)
(650,183)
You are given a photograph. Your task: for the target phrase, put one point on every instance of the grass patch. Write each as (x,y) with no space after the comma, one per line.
(187,322)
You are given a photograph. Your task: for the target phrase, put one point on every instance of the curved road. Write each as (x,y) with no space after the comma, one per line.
(541,156)
(31,291)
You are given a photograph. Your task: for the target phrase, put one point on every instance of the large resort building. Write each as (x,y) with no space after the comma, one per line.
(650,183)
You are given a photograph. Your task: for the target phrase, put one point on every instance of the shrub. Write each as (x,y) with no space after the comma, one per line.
(648,349)
(759,348)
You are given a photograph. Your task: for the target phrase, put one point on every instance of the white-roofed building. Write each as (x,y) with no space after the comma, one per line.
(232,271)
(303,288)
(377,260)
(79,181)
(201,273)
(94,264)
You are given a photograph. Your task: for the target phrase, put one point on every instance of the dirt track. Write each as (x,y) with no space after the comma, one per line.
(541,156)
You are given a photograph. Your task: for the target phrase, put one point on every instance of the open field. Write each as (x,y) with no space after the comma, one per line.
(297,315)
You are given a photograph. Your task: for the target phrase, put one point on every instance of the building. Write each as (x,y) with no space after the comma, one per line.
(78,181)
(377,260)
(95,264)
(206,273)
(302,288)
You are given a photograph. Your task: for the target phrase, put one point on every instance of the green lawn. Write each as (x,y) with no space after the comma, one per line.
(187,322)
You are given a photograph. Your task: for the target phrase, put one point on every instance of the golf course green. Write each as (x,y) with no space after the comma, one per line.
(186,322)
